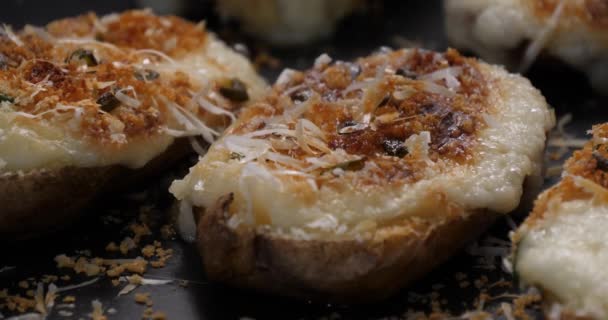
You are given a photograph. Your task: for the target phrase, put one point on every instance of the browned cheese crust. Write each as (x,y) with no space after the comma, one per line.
(591,162)
(453,121)
(39,60)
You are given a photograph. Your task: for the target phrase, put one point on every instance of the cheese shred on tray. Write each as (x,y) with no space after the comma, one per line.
(364,174)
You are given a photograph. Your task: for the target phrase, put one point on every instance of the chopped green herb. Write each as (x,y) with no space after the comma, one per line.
(236,156)
(234,89)
(5,97)
(146,75)
(108,101)
(83,55)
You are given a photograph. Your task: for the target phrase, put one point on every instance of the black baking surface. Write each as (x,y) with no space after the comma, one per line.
(394,25)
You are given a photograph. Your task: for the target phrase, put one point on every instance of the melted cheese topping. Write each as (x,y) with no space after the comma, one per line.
(562,247)
(290,169)
(501,30)
(566,254)
(162,84)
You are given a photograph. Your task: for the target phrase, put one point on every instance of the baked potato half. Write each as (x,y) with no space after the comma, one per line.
(352,179)
(562,247)
(288,22)
(88,103)
(516,32)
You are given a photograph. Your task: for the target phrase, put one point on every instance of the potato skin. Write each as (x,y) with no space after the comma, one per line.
(41,201)
(334,270)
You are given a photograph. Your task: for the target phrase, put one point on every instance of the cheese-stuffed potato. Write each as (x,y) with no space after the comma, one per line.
(516,32)
(87,102)
(352,179)
(562,247)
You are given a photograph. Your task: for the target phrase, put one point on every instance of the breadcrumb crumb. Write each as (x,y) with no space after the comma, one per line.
(142,298)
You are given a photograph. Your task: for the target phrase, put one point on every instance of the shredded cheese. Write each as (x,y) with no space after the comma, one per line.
(213,109)
(449,75)
(539,42)
(8,31)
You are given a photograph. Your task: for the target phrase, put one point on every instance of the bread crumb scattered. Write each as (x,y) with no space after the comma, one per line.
(97,313)
(112,247)
(126,245)
(158,315)
(64,261)
(139,230)
(135,279)
(520,304)
(148,251)
(142,298)
(167,232)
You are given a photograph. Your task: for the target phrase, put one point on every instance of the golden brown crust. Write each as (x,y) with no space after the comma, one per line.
(41,74)
(590,162)
(41,201)
(397,100)
(337,270)
(138,29)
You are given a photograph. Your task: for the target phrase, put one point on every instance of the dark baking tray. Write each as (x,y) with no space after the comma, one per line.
(394,24)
